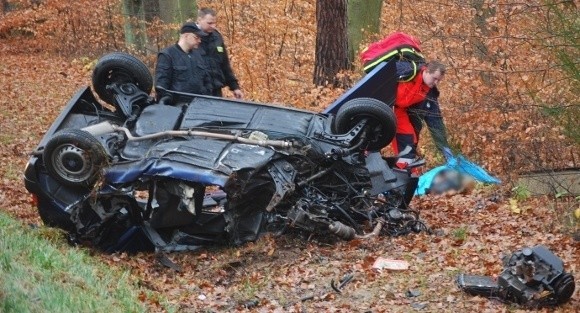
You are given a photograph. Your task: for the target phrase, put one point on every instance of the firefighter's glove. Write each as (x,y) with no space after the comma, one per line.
(447,154)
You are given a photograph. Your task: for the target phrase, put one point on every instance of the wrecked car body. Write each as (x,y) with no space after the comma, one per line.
(532,277)
(144,175)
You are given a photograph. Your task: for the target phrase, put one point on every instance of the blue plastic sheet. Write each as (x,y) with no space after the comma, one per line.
(460,164)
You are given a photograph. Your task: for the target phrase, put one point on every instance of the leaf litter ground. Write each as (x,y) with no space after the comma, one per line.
(290,273)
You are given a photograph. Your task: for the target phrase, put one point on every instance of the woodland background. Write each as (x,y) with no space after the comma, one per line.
(510,98)
(510,101)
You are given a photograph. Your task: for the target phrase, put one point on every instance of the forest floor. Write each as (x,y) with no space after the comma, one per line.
(472,231)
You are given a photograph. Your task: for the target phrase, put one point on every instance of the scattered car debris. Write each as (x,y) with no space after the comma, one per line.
(390,264)
(307,297)
(165,261)
(418,306)
(532,277)
(411,293)
(249,304)
(343,281)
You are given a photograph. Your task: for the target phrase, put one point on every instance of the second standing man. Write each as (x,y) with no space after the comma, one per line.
(213,50)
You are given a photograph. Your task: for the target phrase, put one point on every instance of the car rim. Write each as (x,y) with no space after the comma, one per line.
(118,76)
(72,163)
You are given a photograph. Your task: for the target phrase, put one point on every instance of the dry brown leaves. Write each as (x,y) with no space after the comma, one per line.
(289,274)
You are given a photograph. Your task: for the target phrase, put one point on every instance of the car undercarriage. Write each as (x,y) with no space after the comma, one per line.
(143,175)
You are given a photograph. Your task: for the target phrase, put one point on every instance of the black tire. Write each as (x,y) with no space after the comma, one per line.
(120,67)
(564,288)
(74,158)
(381,120)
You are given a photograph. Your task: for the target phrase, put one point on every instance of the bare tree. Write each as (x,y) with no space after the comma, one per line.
(331,41)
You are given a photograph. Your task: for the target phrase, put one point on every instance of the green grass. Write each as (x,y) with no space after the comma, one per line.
(6,139)
(521,193)
(460,233)
(39,275)
(12,172)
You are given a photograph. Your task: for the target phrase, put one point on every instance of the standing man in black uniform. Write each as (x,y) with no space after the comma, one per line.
(214,51)
(179,68)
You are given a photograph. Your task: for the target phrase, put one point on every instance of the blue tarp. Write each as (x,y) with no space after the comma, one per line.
(460,164)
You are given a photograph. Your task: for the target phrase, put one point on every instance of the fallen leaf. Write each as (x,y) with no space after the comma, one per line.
(514,206)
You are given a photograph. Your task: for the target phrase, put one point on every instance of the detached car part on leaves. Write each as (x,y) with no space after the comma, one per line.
(146,175)
(533,277)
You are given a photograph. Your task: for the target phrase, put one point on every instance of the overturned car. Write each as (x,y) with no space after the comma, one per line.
(131,174)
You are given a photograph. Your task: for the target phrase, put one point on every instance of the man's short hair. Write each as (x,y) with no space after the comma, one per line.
(434,66)
(205,11)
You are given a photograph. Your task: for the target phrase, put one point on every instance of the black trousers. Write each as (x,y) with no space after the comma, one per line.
(217,93)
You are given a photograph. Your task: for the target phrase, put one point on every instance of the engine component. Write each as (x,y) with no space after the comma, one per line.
(533,277)
(342,231)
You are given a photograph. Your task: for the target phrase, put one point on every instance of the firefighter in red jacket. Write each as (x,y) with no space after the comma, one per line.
(416,101)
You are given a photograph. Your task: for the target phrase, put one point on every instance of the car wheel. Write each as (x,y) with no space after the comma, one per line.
(564,288)
(120,67)
(74,158)
(381,120)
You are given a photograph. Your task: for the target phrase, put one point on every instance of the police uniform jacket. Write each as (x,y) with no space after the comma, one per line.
(214,52)
(180,71)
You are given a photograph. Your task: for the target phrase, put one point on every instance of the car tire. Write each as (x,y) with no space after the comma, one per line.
(120,67)
(564,288)
(74,158)
(381,120)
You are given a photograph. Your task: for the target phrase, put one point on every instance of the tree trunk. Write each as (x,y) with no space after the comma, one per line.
(151,9)
(480,49)
(135,26)
(139,12)
(331,42)
(364,19)
(177,11)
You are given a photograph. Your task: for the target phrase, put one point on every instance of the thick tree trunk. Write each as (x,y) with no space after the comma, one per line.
(364,19)
(177,11)
(139,12)
(135,27)
(151,9)
(331,42)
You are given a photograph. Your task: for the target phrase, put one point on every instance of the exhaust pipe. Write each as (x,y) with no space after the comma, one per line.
(348,233)
(106,128)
